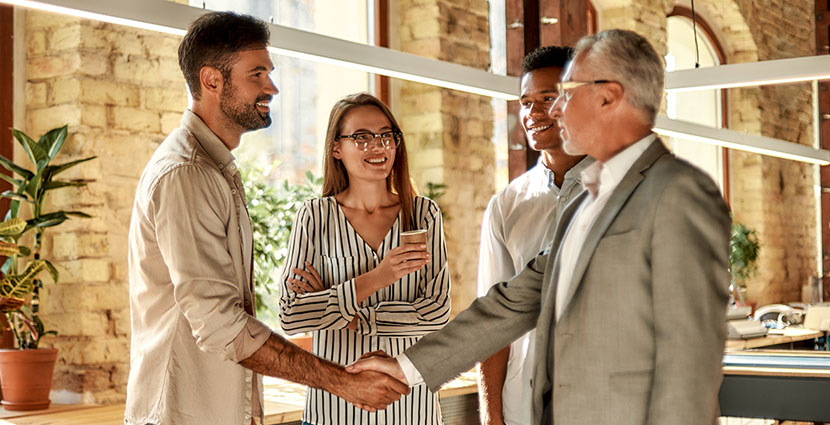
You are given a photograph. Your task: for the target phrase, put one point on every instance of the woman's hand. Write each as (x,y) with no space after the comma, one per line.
(312,282)
(400,262)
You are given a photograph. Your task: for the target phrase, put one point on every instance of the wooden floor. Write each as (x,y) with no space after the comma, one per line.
(284,403)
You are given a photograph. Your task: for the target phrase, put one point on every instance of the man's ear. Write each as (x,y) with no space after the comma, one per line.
(211,80)
(612,94)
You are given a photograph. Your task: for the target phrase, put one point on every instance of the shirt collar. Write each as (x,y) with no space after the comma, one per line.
(211,143)
(573,173)
(601,177)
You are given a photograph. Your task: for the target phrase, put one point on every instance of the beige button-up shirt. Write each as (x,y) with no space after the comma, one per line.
(191,291)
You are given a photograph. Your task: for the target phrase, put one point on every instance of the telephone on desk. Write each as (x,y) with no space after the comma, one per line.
(740,326)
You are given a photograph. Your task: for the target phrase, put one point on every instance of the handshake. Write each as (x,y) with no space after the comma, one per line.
(374,382)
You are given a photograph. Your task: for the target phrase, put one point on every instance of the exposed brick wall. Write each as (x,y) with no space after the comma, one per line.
(120,91)
(779,200)
(448,131)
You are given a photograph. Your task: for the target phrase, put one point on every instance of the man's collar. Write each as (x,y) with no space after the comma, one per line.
(600,175)
(212,144)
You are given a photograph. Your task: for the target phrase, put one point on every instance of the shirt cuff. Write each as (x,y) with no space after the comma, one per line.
(413,377)
(250,339)
(366,323)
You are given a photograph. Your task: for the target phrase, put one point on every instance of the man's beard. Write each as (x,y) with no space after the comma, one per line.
(245,116)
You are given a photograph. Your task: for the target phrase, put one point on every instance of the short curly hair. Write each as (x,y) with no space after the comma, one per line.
(545,57)
(214,39)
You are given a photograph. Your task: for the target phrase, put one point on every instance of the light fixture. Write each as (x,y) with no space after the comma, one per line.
(740,141)
(778,71)
(173,18)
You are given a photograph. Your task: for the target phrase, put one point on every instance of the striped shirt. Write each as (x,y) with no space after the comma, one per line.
(392,319)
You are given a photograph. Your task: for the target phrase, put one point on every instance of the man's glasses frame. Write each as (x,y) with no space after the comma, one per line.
(363,139)
(563,87)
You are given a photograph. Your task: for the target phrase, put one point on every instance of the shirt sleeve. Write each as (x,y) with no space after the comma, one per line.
(494,261)
(332,308)
(430,310)
(250,339)
(191,207)
(413,377)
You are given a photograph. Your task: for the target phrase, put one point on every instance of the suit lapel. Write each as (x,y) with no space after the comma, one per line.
(609,212)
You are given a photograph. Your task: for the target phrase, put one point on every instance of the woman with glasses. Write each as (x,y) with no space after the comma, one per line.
(348,278)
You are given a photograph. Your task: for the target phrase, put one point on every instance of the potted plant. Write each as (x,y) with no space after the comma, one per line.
(743,257)
(26,372)
(272,208)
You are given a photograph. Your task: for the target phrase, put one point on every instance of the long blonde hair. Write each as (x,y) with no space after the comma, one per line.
(335,176)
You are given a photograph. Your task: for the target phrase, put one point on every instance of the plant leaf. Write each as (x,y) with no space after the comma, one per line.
(33,149)
(53,272)
(53,141)
(14,195)
(59,184)
(55,169)
(13,181)
(15,287)
(12,226)
(7,249)
(24,250)
(11,166)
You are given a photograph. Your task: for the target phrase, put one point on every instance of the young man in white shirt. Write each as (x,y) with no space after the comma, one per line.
(518,224)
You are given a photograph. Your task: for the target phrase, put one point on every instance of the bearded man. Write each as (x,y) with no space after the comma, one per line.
(198,352)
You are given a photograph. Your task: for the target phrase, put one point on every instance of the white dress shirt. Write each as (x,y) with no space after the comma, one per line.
(517,225)
(600,179)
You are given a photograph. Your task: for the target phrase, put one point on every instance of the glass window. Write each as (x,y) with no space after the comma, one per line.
(700,107)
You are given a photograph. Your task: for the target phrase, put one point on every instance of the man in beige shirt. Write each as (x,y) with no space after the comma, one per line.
(197,351)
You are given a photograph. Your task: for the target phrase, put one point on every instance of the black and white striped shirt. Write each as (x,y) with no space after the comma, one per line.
(392,319)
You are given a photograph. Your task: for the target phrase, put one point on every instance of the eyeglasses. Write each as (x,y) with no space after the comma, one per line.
(564,87)
(362,140)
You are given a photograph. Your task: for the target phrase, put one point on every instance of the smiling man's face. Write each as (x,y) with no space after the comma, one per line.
(538,94)
(248,92)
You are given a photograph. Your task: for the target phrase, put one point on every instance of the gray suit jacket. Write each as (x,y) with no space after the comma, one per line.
(642,335)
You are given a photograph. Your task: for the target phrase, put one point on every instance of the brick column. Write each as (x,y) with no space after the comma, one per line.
(121,91)
(449,132)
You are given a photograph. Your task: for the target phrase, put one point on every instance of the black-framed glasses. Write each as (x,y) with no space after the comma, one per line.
(363,139)
(564,87)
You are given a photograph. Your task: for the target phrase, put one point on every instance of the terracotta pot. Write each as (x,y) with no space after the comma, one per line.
(26,378)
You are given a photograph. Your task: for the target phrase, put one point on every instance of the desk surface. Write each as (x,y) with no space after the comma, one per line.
(783,336)
(284,402)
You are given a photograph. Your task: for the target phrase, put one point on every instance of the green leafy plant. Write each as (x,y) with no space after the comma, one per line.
(743,255)
(272,207)
(31,187)
(436,191)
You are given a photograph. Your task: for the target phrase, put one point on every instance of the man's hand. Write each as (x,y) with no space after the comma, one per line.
(380,362)
(370,390)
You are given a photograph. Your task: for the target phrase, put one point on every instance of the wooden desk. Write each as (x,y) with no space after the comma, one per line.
(284,402)
(783,336)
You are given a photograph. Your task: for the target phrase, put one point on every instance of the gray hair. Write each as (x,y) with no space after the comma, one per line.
(628,58)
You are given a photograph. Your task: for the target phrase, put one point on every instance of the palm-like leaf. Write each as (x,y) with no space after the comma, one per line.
(11,166)
(53,141)
(12,226)
(54,170)
(33,149)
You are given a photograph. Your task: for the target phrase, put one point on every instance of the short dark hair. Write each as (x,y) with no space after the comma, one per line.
(546,56)
(214,39)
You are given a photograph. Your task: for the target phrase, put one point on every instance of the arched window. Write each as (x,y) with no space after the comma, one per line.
(705,107)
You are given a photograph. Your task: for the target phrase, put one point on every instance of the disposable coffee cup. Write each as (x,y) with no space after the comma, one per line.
(414,236)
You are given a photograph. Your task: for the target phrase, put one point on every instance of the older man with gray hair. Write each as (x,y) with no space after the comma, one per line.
(629,299)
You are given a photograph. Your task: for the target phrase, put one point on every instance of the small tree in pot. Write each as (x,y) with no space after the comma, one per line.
(19,294)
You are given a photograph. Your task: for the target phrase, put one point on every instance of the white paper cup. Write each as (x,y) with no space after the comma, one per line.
(414,236)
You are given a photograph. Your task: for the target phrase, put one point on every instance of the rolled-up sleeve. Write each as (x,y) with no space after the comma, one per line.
(190,207)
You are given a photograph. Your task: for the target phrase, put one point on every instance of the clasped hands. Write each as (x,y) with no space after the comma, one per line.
(386,385)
